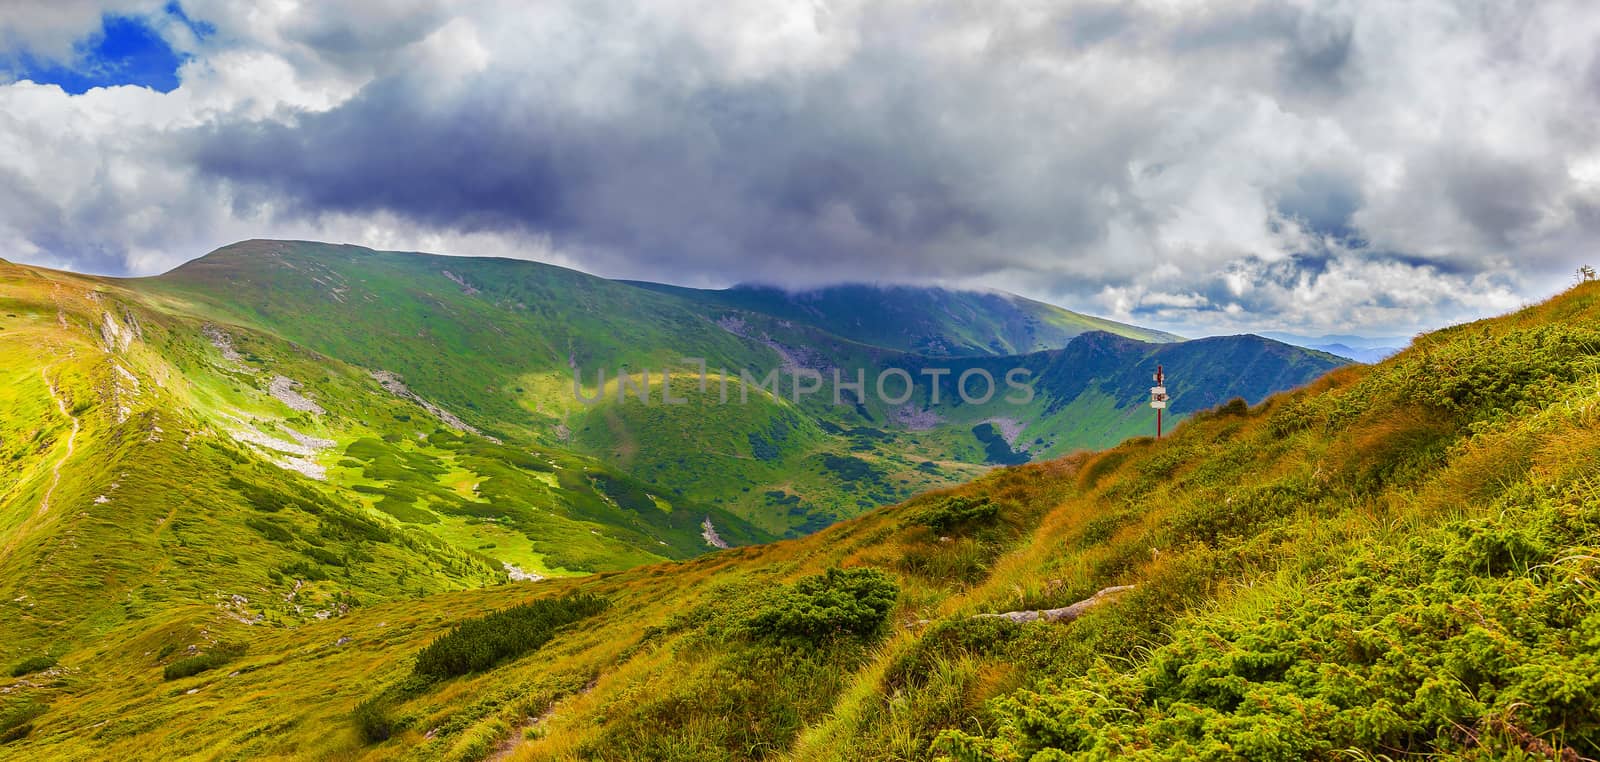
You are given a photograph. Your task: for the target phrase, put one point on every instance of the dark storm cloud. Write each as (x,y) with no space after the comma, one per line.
(1324,200)
(355,36)
(464,166)
(1095,23)
(1233,26)
(1497,197)
(1281,163)
(711,179)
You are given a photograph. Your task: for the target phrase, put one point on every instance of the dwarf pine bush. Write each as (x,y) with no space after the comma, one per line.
(478,644)
(842,603)
(16,722)
(374,721)
(32,664)
(220,654)
(955,512)
(1481,634)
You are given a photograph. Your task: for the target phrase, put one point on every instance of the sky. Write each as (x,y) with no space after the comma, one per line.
(1199,166)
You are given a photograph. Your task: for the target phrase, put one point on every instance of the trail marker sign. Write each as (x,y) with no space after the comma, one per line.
(1158,398)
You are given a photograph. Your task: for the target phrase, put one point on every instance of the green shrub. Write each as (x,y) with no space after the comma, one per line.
(956,512)
(849,468)
(743,702)
(1101,466)
(190,666)
(17,722)
(1474,640)
(269,529)
(1488,375)
(341,525)
(478,644)
(303,570)
(1235,407)
(220,654)
(1103,527)
(33,664)
(842,603)
(1292,415)
(373,719)
(323,556)
(16,733)
(1243,513)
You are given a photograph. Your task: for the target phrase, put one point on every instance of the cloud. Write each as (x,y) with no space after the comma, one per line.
(1217,166)
(51,29)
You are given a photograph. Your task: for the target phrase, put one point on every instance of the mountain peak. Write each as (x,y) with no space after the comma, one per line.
(279,247)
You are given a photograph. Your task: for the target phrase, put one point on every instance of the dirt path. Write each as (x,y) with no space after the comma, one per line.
(72,443)
(55,471)
(513,741)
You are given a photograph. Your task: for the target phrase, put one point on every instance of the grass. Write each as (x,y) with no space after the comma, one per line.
(1240,529)
(402,313)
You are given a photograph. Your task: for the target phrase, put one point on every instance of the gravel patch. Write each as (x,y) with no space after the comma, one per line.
(224,344)
(394,385)
(287,391)
(517,574)
(466,288)
(1010,429)
(915,418)
(709,532)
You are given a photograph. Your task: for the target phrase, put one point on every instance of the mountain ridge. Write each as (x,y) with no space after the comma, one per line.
(870,307)
(485,350)
(1337,546)
(497,343)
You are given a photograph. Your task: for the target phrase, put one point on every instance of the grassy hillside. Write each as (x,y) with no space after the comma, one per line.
(1398,560)
(154,460)
(496,342)
(438,392)
(492,339)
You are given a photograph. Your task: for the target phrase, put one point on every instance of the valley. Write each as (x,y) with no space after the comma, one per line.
(616,381)
(283,435)
(1286,569)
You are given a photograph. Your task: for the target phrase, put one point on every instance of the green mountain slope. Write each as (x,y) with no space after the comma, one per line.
(929,321)
(492,339)
(1396,560)
(157,460)
(497,343)
(437,392)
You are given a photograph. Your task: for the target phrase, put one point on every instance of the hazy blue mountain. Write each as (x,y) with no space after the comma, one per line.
(1366,349)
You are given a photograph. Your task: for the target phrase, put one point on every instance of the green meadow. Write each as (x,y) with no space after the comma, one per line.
(291,501)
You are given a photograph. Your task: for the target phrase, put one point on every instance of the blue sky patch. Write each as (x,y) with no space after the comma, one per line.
(125,51)
(200,29)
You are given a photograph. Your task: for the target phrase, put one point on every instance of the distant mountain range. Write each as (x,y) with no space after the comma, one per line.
(313,427)
(931,321)
(286,502)
(1365,349)
(497,343)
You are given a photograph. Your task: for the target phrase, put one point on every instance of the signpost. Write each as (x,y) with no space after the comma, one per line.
(1158,398)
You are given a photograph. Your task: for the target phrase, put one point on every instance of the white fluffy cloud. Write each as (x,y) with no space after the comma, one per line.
(1201,166)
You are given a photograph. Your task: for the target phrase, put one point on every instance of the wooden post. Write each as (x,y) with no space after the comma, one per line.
(1158,397)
